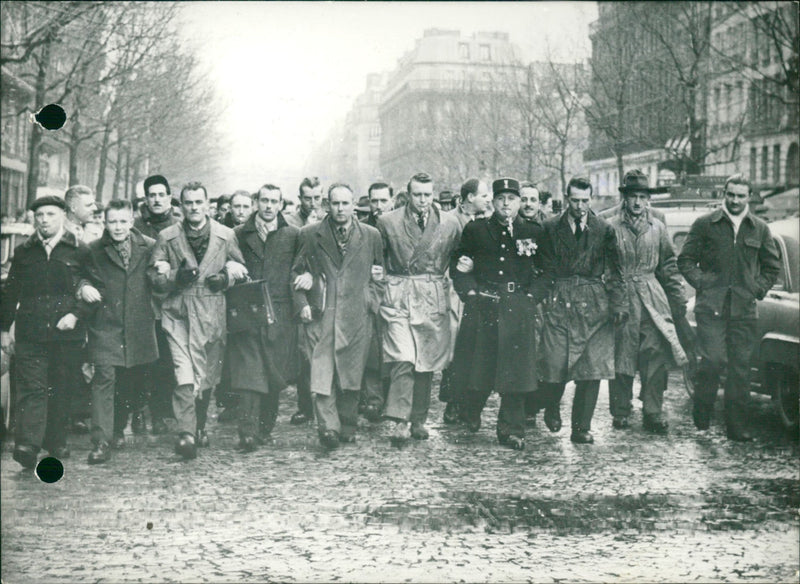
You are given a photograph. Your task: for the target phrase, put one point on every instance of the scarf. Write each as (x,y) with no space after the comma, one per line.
(263,228)
(198,239)
(637,224)
(123,248)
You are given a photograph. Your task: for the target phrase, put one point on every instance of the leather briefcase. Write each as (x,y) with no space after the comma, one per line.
(249,307)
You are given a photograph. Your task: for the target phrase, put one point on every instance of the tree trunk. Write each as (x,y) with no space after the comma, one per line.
(103,161)
(118,170)
(74,145)
(37,132)
(562,165)
(127,173)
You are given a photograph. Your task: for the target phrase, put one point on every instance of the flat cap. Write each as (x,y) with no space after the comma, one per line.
(505,185)
(49,200)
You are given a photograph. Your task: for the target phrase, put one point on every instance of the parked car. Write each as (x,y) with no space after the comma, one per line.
(776,357)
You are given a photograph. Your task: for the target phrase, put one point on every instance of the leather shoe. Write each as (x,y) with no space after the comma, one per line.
(159,427)
(655,424)
(739,435)
(473,423)
(329,439)
(60,452)
(582,437)
(347,439)
(552,419)
(202,439)
(185,446)
(514,442)
(25,455)
(419,432)
(621,422)
(137,423)
(247,444)
(372,413)
(299,418)
(118,440)
(100,454)
(450,413)
(701,417)
(401,432)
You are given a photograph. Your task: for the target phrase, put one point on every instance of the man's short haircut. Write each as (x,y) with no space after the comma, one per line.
(241,193)
(222,199)
(156,179)
(545,196)
(376,186)
(339,185)
(738,179)
(526,184)
(310,182)
(268,187)
(470,187)
(76,191)
(194,186)
(117,204)
(420,177)
(580,183)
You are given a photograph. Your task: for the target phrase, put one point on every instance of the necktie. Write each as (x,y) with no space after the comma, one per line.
(421,221)
(342,238)
(578,231)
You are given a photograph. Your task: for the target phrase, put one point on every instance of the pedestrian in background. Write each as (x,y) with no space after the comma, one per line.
(418,240)
(730,258)
(586,300)
(348,254)
(193,262)
(122,335)
(647,341)
(493,271)
(49,331)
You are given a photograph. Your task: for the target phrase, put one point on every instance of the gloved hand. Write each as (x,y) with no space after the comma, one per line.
(217,282)
(186,276)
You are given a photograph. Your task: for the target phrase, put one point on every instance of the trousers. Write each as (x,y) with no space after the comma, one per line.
(337,411)
(190,412)
(583,402)
(161,379)
(409,393)
(116,392)
(510,418)
(257,413)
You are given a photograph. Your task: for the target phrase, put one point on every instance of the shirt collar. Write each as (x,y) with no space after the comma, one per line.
(52,241)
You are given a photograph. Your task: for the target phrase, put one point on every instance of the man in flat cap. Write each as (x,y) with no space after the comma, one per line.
(647,341)
(494,272)
(49,331)
(157,216)
(418,240)
(586,299)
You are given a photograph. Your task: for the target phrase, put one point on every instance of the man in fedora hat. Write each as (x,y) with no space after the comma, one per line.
(49,332)
(631,179)
(647,341)
(493,272)
(579,257)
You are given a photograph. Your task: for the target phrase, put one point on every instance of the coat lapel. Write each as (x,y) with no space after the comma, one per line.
(354,244)
(139,251)
(430,234)
(215,244)
(328,244)
(250,236)
(565,233)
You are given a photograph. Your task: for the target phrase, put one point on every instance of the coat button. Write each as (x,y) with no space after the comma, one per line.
(502,246)
(502,259)
(568,305)
(500,272)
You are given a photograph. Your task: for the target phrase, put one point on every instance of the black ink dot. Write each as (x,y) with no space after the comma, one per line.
(49,470)
(51,117)
(149,525)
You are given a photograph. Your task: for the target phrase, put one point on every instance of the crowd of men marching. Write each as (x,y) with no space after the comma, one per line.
(360,314)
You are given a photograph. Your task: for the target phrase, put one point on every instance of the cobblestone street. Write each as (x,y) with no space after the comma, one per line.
(458,507)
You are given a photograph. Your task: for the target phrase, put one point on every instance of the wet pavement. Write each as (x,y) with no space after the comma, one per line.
(690,506)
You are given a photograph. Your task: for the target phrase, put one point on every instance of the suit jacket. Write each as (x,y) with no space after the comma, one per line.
(715,263)
(122,325)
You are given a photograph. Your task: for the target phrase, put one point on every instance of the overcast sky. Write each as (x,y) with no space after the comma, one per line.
(288,70)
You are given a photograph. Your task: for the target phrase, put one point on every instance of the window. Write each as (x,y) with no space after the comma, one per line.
(375,131)
(764,162)
(753,157)
(463,50)
(486,54)
(776,163)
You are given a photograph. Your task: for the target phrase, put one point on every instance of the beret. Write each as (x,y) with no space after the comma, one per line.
(48,200)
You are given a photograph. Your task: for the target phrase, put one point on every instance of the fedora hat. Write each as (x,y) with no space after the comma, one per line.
(635,180)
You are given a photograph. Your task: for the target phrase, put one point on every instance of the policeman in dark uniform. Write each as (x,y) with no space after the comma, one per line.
(494,273)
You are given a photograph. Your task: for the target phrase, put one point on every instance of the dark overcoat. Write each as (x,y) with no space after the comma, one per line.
(265,360)
(45,290)
(496,346)
(585,290)
(340,337)
(122,325)
(715,263)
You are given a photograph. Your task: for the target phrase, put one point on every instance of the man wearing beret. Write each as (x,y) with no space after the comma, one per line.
(586,299)
(730,258)
(193,263)
(494,273)
(43,278)
(157,216)
(647,341)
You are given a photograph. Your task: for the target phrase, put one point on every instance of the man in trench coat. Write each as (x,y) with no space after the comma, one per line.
(263,361)
(348,255)
(122,336)
(493,271)
(579,257)
(647,341)
(193,262)
(418,240)
(730,258)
